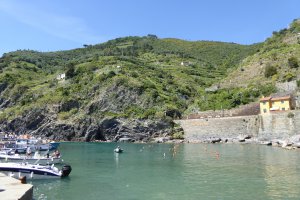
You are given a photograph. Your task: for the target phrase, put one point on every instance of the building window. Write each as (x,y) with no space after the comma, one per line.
(282,102)
(264,103)
(283,109)
(265,110)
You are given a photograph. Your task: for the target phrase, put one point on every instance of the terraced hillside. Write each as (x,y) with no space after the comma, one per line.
(277,61)
(123,87)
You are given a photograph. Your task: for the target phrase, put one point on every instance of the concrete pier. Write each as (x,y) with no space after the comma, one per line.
(13,189)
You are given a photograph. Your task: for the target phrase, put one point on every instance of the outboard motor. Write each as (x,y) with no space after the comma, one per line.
(66,170)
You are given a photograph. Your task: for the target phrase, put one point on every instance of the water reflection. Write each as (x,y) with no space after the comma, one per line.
(282,174)
(117,159)
(253,171)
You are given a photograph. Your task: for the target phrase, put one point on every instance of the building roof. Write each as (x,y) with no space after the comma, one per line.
(265,99)
(276,98)
(281,98)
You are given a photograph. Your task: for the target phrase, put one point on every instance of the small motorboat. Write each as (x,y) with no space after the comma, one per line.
(18,170)
(118,150)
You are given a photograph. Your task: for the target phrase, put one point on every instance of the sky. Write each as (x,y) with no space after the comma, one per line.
(52,25)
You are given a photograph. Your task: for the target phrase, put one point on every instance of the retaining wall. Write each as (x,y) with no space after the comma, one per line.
(227,127)
(265,127)
(279,125)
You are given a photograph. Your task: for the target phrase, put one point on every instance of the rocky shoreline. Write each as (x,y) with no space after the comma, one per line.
(40,123)
(286,143)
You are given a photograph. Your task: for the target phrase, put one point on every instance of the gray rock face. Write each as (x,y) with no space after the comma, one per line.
(115,99)
(42,124)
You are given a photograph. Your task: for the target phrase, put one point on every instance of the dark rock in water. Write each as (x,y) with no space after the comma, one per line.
(268,143)
(215,140)
(243,138)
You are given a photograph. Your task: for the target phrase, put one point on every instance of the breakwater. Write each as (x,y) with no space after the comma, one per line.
(279,125)
(11,188)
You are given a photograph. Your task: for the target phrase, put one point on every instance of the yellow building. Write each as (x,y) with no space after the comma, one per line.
(272,104)
(265,105)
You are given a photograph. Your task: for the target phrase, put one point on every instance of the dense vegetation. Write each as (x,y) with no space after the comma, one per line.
(276,61)
(138,77)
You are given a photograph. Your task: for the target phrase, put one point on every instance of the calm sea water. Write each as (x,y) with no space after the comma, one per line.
(170,172)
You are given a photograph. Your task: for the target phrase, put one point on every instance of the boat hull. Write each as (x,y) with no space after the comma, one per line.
(41,161)
(30,171)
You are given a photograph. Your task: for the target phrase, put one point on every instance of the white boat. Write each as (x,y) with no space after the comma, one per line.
(12,147)
(18,170)
(36,159)
(36,144)
(21,145)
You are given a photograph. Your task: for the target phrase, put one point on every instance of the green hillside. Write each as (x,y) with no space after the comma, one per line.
(135,85)
(277,61)
(131,77)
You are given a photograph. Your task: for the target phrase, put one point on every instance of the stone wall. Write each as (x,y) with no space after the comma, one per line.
(197,130)
(244,110)
(279,125)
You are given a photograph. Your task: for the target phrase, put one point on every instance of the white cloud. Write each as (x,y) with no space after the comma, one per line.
(62,26)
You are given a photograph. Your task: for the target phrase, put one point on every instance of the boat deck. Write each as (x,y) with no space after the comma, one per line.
(12,189)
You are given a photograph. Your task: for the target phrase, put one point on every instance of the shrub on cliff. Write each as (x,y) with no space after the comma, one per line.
(293,62)
(290,115)
(270,70)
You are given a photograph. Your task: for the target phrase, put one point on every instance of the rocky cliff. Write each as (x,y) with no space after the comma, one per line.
(41,123)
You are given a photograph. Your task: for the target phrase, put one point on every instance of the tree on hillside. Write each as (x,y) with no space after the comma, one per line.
(293,62)
(270,70)
(70,70)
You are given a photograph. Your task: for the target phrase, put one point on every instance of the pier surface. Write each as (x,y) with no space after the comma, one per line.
(13,189)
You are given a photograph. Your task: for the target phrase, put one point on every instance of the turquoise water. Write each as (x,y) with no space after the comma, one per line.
(170,172)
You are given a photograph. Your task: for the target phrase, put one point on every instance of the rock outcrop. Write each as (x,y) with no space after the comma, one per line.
(40,123)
